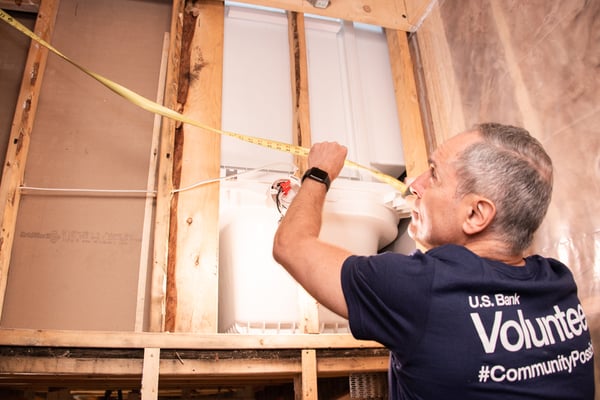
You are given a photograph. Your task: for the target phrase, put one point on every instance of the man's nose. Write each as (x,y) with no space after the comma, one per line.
(418,186)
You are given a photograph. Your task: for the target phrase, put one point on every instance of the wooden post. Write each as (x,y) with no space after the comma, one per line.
(309,375)
(302,137)
(151,185)
(409,114)
(150,373)
(193,288)
(442,94)
(16,155)
(299,79)
(165,177)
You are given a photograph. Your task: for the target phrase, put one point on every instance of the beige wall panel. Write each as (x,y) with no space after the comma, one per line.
(76,257)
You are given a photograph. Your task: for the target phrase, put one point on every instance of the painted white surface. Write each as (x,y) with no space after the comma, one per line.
(351,91)
(351,101)
(256,295)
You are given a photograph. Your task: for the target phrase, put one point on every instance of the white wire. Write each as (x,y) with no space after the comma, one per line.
(223,178)
(121,191)
(153,192)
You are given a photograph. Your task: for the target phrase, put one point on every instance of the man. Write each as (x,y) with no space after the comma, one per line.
(470,317)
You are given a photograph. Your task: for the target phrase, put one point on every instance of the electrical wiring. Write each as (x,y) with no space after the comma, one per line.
(266,167)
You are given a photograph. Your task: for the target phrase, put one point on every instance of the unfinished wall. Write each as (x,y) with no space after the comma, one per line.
(533,64)
(77,256)
(13,47)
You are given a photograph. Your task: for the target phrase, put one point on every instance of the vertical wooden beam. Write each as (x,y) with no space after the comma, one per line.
(299,79)
(20,135)
(150,186)
(150,373)
(301,137)
(409,114)
(309,375)
(195,274)
(165,176)
(298,387)
(442,94)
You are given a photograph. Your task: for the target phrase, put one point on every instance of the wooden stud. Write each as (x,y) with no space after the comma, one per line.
(298,387)
(409,115)
(299,79)
(197,230)
(301,135)
(16,155)
(150,373)
(151,186)
(309,375)
(442,94)
(165,177)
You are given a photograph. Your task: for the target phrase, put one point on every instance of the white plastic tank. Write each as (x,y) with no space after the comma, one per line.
(351,101)
(257,295)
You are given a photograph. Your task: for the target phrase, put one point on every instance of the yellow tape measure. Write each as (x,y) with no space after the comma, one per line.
(156,108)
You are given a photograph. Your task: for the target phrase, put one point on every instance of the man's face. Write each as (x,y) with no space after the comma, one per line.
(438,214)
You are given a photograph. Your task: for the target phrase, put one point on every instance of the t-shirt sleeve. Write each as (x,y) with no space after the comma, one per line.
(388,297)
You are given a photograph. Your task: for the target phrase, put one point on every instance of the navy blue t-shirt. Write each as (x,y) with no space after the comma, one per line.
(462,327)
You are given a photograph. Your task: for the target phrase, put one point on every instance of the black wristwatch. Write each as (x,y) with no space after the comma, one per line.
(318,175)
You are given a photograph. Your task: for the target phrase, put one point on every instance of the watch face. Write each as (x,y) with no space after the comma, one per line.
(318,173)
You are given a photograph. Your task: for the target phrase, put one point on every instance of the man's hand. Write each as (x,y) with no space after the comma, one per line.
(328,156)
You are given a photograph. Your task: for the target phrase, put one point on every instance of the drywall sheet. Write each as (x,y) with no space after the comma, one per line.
(76,256)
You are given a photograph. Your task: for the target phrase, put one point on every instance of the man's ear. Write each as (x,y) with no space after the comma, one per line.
(480,214)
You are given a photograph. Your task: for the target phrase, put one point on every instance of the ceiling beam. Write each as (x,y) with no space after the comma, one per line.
(385,13)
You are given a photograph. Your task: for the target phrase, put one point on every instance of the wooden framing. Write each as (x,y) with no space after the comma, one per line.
(16,157)
(150,373)
(411,123)
(309,374)
(395,14)
(445,106)
(185,240)
(299,81)
(165,177)
(120,340)
(192,298)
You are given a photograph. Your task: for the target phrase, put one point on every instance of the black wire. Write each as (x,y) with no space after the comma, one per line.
(277,202)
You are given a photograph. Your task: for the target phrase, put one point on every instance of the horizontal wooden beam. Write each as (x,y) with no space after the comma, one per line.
(185,368)
(141,340)
(385,13)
